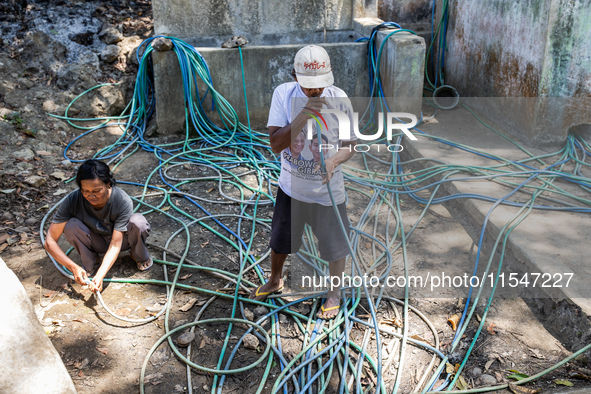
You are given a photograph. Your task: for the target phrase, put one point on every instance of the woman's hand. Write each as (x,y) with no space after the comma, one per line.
(80,275)
(96,284)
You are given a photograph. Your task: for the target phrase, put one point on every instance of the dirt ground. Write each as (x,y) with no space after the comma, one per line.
(105,355)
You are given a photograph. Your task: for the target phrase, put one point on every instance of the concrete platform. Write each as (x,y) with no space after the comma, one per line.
(546,242)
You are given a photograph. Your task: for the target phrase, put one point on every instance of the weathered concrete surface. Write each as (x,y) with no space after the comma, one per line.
(365,8)
(571,391)
(402,68)
(538,48)
(497,49)
(211,22)
(168,87)
(275,30)
(406,11)
(267,67)
(545,242)
(364,26)
(29,362)
(264,67)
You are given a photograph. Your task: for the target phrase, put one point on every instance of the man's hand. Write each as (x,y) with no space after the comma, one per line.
(330,167)
(282,137)
(316,103)
(331,163)
(80,275)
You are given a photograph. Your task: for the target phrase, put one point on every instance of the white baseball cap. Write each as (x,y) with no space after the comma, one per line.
(312,67)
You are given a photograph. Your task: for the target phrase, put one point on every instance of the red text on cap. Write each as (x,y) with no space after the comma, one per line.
(314,65)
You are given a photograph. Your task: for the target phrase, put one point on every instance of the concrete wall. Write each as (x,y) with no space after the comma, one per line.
(534,48)
(266,67)
(406,11)
(262,22)
(276,30)
(497,48)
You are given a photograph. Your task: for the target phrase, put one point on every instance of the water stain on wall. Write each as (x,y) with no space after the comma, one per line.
(405,11)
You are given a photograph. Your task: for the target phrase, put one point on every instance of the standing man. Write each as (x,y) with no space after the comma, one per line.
(303,196)
(98,218)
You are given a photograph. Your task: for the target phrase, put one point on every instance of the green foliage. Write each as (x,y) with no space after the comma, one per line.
(517,375)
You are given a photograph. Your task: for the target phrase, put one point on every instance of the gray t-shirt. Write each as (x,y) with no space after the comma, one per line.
(113,216)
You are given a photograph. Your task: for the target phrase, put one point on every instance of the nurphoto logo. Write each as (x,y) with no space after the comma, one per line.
(392,123)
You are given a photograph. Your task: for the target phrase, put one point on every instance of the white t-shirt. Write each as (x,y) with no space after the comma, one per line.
(298,177)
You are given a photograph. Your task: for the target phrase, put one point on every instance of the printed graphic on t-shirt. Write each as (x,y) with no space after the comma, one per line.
(305,172)
(301,165)
(304,156)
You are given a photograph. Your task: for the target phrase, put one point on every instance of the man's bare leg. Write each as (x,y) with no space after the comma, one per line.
(333,297)
(275,280)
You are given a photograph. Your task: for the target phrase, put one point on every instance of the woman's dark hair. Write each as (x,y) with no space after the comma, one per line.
(95,169)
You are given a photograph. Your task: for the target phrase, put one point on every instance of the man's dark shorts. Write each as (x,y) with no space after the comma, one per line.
(290,217)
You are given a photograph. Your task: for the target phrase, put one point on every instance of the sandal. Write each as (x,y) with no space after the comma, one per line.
(264,294)
(144,265)
(332,308)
